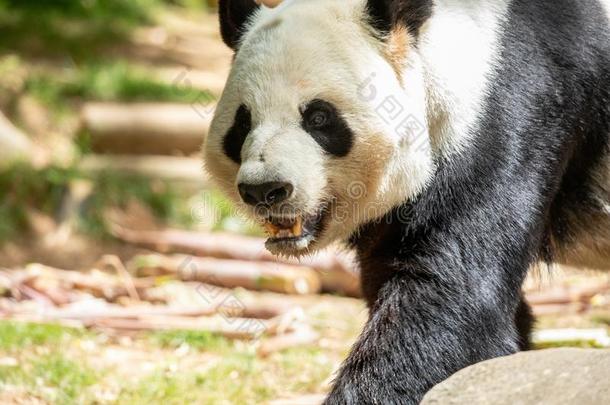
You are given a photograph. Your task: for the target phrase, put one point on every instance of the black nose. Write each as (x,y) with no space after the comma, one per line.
(266,194)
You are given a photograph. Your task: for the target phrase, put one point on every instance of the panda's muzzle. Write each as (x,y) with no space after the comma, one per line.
(290,230)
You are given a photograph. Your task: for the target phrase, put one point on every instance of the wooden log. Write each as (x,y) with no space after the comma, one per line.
(146,128)
(559,309)
(235,328)
(175,169)
(112,311)
(265,276)
(96,283)
(567,295)
(337,269)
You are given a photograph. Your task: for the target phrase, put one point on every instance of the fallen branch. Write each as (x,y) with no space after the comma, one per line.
(116,263)
(559,309)
(240,328)
(267,276)
(567,295)
(337,269)
(99,284)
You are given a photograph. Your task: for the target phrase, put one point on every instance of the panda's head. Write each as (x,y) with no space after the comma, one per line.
(321,127)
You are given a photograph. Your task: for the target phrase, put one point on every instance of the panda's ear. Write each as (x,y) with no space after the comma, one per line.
(234,15)
(387,14)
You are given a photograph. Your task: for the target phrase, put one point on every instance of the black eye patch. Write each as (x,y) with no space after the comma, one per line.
(326,126)
(236,135)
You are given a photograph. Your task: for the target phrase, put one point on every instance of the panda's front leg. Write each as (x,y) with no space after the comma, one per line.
(440,310)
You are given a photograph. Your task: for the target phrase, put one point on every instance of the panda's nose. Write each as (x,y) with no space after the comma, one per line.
(266,194)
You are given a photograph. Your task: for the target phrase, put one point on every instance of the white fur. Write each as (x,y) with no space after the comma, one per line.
(606,5)
(459,47)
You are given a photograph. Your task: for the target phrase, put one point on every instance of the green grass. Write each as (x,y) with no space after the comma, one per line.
(23,187)
(52,366)
(109,81)
(51,377)
(203,341)
(69,28)
(45,374)
(18,335)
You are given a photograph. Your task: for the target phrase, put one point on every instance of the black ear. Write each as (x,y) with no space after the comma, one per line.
(387,14)
(233,16)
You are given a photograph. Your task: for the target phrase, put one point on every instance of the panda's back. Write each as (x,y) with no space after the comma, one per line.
(527,84)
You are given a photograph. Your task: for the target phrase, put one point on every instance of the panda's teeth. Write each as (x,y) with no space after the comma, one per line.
(271,229)
(284,233)
(297,228)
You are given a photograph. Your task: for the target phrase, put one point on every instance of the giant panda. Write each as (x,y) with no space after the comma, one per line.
(452,143)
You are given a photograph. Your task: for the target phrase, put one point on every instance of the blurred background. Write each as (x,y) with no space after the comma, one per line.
(124,276)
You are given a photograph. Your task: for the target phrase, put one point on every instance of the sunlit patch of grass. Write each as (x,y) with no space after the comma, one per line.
(304,369)
(239,376)
(51,377)
(161,387)
(232,380)
(61,27)
(109,81)
(200,340)
(14,335)
(42,370)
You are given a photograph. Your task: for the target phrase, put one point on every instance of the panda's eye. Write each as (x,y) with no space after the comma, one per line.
(318,114)
(328,127)
(318,119)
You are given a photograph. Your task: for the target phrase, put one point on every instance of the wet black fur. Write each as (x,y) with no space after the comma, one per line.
(442,275)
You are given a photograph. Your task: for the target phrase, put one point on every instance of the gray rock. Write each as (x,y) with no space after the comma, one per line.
(554,376)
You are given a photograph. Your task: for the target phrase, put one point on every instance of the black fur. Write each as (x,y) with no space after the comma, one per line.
(233,17)
(385,14)
(524,320)
(332,132)
(442,275)
(236,136)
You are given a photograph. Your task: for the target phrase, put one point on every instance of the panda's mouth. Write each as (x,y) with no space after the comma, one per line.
(292,235)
